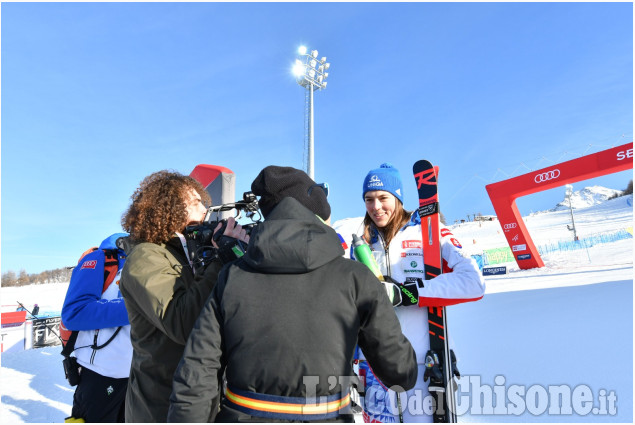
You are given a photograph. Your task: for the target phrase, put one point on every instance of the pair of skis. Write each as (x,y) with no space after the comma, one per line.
(439,359)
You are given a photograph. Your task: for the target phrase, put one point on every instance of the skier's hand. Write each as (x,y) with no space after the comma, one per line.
(409,293)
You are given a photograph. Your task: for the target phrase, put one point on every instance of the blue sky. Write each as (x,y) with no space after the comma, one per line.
(95,96)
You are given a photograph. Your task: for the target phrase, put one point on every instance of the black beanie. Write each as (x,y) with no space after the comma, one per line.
(275,183)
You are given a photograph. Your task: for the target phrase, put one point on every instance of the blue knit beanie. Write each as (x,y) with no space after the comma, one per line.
(386,178)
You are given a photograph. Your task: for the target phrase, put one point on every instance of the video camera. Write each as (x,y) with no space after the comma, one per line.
(199,237)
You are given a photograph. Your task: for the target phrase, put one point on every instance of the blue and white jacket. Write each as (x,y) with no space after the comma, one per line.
(97,315)
(460,282)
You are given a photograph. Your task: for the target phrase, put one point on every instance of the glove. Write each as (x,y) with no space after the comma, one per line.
(409,293)
(401,294)
(229,248)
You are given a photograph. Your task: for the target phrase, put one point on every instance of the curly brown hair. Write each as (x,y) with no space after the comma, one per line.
(159,205)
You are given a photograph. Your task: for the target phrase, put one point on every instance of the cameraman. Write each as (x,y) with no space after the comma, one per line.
(164,290)
(283,320)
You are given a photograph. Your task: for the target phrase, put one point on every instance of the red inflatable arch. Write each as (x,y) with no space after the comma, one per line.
(503,194)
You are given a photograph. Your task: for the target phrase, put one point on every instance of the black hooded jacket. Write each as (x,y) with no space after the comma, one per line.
(287,316)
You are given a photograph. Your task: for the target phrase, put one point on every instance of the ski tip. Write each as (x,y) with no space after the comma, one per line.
(423,165)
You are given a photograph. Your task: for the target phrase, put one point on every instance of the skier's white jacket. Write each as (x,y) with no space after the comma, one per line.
(115,358)
(460,282)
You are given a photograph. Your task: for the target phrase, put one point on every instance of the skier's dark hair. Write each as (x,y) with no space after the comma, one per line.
(399,219)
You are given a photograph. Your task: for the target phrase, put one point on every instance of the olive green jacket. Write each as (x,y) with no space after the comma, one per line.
(163,298)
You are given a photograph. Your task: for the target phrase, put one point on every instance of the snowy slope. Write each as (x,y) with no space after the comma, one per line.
(567,326)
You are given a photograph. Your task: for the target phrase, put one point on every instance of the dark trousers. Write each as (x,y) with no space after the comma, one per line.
(99,398)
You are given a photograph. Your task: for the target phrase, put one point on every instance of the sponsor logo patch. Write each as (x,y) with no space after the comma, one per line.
(524,257)
(521,247)
(445,232)
(490,271)
(411,244)
(427,209)
(90,264)
(375,182)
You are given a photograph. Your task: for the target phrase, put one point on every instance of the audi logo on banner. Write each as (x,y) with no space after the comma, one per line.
(509,226)
(546,176)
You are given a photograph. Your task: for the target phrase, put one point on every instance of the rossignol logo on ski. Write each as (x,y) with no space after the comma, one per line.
(425,177)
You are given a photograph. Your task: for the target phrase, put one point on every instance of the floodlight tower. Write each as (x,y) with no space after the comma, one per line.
(311,74)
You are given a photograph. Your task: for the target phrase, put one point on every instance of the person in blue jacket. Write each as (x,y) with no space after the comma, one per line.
(103,349)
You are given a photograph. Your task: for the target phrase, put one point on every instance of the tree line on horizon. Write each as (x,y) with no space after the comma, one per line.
(627,191)
(11,278)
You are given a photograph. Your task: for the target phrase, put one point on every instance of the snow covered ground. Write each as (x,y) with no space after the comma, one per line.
(545,345)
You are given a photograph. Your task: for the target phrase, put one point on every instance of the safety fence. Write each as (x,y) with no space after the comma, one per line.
(505,255)
(586,242)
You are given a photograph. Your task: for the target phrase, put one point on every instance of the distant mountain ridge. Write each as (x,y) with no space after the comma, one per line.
(587,197)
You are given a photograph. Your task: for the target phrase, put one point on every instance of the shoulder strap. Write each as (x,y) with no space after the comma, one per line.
(111,267)
(88,251)
(69,347)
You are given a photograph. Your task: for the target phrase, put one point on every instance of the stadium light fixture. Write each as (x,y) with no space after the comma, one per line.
(310,74)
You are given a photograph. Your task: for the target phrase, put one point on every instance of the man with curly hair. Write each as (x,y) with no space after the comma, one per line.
(162,289)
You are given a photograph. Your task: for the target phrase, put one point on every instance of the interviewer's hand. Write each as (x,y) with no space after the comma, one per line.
(233,230)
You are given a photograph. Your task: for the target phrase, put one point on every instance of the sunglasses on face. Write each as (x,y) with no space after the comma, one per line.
(323,186)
